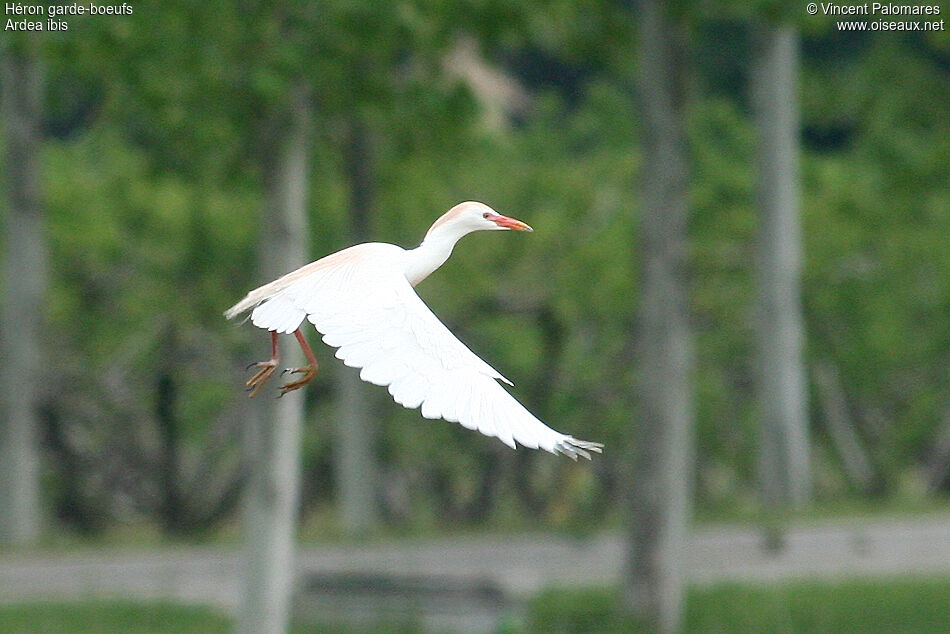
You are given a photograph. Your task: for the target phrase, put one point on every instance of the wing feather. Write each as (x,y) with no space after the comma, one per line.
(367,309)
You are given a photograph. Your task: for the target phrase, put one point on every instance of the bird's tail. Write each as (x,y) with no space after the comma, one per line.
(252,299)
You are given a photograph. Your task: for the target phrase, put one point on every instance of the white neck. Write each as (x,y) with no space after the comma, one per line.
(433,252)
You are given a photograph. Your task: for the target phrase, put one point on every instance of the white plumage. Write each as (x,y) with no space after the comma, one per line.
(362,300)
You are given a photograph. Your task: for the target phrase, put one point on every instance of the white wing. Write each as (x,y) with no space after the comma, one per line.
(365,307)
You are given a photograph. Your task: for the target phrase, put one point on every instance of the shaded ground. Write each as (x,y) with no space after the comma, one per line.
(520,565)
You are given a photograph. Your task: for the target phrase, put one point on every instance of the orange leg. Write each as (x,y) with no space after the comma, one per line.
(308,371)
(267,368)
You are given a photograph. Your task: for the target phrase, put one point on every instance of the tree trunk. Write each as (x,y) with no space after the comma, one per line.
(24,289)
(274,438)
(937,465)
(171,508)
(661,478)
(356,434)
(784,456)
(834,406)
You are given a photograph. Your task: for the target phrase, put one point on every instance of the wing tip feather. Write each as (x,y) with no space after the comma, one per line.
(572,447)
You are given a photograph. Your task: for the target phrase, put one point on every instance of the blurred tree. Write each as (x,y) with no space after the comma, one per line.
(272,494)
(857,465)
(661,481)
(785,477)
(24,291)
(139,425)
(139,422)
(355,429)
(876,213)
(938,459)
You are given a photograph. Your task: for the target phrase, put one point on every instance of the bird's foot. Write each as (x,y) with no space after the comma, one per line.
(308,371)
(265,372)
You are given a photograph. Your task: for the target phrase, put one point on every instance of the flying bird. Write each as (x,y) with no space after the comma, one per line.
(362,300)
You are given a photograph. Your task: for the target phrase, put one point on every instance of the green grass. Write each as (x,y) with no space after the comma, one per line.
(917,605)
(111,617)
(907,605)
(889,605)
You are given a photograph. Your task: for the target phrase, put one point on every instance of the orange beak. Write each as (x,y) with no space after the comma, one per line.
(509,223)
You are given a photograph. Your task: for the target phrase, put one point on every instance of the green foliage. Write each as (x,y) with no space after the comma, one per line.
(877,288)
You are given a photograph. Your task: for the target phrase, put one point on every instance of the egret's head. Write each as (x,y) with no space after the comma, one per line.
(474,216)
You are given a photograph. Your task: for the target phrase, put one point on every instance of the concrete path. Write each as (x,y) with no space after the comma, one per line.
(520,564)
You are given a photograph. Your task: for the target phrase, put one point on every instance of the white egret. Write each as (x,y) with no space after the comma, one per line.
(362,300)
